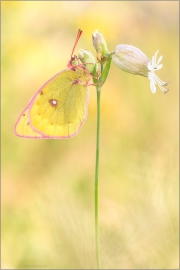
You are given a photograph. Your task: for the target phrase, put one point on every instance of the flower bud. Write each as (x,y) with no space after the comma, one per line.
(131,59)
(99,43)
(87,58)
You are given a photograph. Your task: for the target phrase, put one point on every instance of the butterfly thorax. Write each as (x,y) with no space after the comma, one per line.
(73,63)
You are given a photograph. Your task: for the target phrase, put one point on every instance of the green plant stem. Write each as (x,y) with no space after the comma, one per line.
(96,176)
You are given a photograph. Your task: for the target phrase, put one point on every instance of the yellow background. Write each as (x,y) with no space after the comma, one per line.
(48,185)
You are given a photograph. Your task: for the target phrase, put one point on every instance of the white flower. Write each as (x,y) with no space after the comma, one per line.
(134,61)
(152,67)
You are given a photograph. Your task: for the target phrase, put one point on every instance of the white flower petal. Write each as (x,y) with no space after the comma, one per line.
(150,67)
(159,60)
(150,76)
(159,67)
(153,87)
(155,56)
(161,82)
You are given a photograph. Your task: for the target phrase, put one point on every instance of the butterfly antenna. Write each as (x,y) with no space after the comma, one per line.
(77,39)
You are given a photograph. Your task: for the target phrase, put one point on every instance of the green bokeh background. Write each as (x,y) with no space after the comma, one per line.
(48,185)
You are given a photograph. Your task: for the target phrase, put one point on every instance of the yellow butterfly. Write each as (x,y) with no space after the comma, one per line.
(60,107)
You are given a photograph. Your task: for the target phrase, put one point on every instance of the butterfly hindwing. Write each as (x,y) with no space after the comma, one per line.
(58,109)
(23,127)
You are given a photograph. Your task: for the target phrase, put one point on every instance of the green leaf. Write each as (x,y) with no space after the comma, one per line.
(105,71)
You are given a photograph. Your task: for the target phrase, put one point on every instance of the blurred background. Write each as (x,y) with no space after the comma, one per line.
(48,185)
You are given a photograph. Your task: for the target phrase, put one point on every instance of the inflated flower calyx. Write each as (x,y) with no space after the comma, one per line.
(87,58)
(100,44)
(131,59)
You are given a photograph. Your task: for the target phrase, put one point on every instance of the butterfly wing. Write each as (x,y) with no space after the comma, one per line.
(58,110)
(23,127)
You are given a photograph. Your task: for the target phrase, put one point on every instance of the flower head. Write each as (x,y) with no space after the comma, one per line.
(134,61)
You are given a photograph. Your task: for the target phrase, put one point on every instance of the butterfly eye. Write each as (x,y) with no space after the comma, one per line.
(53,102)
